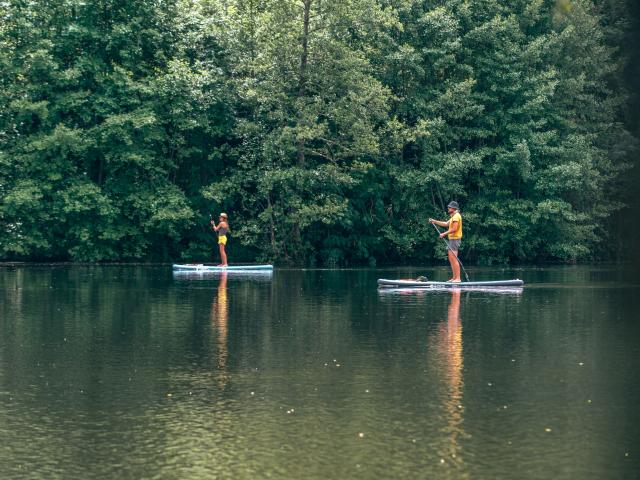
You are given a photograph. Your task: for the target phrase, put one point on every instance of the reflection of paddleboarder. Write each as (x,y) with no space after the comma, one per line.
(448,339)
(221,229)
(452,344)
(455,237)
(220,320)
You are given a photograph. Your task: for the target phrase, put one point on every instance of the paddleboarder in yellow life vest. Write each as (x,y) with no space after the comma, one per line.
(221,229)
(454,232)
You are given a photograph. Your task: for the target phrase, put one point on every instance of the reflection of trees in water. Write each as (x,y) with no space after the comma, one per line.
(178,340)
(220,323)
(448,342)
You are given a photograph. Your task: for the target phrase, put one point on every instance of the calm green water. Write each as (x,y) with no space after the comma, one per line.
(130,372)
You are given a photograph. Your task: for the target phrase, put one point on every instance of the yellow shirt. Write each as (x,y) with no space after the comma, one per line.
(458,233)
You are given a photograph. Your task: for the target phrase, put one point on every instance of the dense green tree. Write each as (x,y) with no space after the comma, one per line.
(519,122)
(311,116)
(98,120)
(329,130)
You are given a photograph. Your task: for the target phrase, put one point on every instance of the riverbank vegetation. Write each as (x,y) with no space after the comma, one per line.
(329,130)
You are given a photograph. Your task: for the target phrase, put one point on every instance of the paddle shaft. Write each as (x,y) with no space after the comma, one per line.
(211,221)
(454,253)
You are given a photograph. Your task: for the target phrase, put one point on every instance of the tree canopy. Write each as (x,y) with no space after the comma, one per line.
(328,130)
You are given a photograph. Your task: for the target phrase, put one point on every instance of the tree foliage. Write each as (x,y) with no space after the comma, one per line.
(328,130)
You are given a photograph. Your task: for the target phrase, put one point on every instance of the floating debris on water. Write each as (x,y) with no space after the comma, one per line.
(581,363)
(361,435)
(366,390)
(490,384)
(547,429)
(253,393)
(169,395)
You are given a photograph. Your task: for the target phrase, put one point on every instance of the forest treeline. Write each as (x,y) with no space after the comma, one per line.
(328,130)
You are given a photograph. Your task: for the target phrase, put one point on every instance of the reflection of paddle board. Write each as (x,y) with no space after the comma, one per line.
(200,267)
(254,275)
(384,283)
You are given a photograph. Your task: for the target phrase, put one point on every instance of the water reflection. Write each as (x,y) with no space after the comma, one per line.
(447,340)
(220,325)
(256,275)
(108,371)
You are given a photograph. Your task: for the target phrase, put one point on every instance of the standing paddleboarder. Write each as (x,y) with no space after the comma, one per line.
(221,229)
(455,237)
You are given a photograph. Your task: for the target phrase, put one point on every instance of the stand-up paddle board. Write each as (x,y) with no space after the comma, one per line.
(401,291)
(384,283)
(200,267)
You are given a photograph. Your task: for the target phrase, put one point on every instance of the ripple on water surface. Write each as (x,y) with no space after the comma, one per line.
(131,372)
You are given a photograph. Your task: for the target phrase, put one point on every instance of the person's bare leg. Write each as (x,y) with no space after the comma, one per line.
(455,267)
(452,263)
(223,256)
(456,270)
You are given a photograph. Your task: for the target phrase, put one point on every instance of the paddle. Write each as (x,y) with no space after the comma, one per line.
(209,229)
(454,253)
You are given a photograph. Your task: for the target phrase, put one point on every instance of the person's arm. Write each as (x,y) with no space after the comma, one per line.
(453,228)
(213,226)
(439,223)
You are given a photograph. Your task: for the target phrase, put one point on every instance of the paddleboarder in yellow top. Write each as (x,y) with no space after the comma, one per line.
(455,237)
(221,229)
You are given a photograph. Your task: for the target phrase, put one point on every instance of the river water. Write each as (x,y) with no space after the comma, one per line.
(133,372)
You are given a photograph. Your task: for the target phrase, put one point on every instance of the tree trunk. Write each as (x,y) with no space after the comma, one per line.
(272,232)
(304,59)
